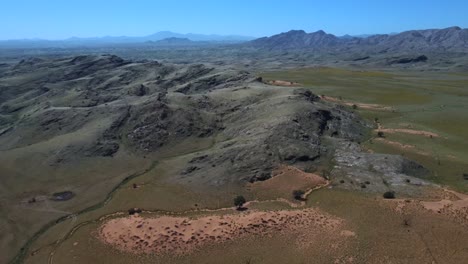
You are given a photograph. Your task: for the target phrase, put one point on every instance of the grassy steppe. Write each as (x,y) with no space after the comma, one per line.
(429,101)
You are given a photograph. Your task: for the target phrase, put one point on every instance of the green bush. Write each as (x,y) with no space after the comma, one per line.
(389,195)
(239,201)
(298,194)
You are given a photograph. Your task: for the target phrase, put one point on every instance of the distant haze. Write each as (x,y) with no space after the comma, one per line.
(55,19)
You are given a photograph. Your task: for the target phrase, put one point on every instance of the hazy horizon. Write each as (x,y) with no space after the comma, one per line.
(58,20)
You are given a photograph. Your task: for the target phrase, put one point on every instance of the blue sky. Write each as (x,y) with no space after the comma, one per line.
(57,19)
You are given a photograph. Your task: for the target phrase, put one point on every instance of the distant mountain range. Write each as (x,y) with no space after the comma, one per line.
(448,39)
(99,41)
(453,39)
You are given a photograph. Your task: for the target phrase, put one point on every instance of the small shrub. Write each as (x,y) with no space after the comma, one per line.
(342,181)
(465,176)
(239,201)
(363,186)
(354,106)
(380,134)
(389,195)
(407,180)
(406,222)
(298,194)
(367,182)
(133,211)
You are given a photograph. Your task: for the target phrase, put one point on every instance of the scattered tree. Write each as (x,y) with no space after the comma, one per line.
(298,194)
(380,134)
(389,195)
(342,181)
(354,106)
(239,201)
(465,176)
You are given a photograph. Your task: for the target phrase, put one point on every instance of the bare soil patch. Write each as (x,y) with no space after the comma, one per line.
(408,131)
(377,107)
(445,202)
(284,83)
(178,235)
(286,179)
(402,146)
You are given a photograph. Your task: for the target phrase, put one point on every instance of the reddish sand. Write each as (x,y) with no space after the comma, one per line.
(176,235)
(408,131)
(449,203)
(286,179)
(454,205)
(359,105)
(403,146)
(283,83)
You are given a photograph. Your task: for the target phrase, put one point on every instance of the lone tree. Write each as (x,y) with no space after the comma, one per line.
(380,134)
(239,201)
(298,194)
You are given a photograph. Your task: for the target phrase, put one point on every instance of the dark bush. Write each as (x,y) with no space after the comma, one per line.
(389,195)
(298,194)
(465,176)
(380,134)
(239,201)
(133,211)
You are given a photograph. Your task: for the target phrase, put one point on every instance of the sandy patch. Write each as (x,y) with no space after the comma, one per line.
(284,83)
(454,205)
(403,146)
(408,131)
(448,203)
(359,105)
(395,143)
(285,180)
(176,235)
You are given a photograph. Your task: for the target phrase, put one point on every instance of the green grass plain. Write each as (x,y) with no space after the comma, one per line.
(431,101)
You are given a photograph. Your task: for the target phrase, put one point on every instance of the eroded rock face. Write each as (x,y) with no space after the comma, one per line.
(371,172)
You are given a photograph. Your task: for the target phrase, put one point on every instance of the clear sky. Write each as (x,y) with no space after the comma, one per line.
(57,19)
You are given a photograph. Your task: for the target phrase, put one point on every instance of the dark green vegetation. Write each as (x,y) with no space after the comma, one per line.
(298,194)
(389,195)
(239,201)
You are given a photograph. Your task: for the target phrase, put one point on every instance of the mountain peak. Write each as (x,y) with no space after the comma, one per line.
(320,32)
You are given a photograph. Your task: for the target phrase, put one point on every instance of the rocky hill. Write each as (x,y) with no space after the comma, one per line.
(97,106)
(74,128)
